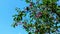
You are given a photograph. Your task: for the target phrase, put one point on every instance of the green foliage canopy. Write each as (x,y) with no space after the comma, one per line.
(45,14)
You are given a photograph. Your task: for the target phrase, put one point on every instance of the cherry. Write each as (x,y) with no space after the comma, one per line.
(37,30)
(31,4)
(20,23)
(24,23)
(39,14)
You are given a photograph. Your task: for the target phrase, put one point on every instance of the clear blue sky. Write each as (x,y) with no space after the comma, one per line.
(7,9)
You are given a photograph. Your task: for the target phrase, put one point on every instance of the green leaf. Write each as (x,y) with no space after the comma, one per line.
(29,33)
(27,1)
(14,25)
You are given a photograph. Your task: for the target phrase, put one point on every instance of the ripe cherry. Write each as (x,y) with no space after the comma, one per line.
(39,14)
(31,4)
(20,23)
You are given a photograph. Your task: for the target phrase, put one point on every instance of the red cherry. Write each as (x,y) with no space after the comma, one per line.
(37,30)
(20,23)
(31,5)
(24,23)
(39,14)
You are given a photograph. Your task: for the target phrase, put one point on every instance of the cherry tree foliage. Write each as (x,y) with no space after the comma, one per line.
(44,17)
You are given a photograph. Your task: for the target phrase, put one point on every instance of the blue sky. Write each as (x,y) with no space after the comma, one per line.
(7,9)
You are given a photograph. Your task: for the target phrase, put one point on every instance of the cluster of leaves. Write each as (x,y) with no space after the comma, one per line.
(45,14)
